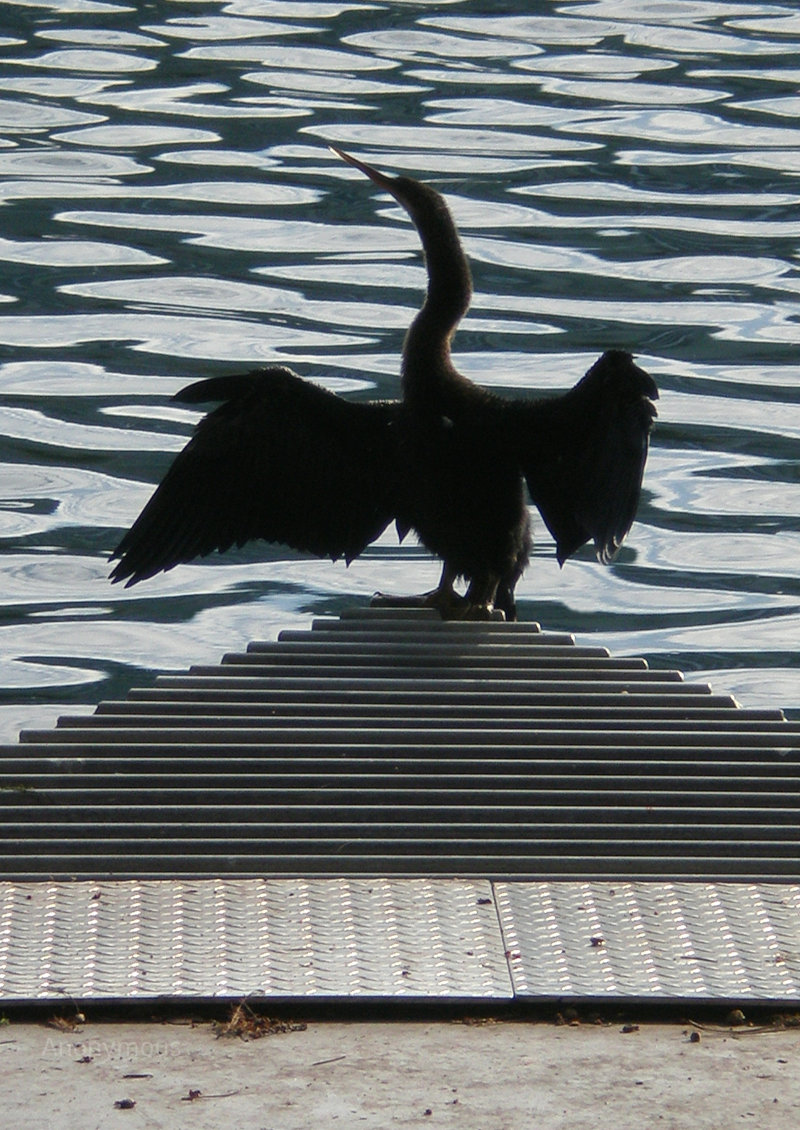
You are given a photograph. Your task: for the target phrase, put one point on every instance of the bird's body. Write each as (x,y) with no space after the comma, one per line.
(284,460)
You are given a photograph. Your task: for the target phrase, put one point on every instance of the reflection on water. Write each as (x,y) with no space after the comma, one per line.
(623,175)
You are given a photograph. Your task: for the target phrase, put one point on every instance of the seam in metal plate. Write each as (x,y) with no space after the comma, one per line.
(657,941)
(275,938)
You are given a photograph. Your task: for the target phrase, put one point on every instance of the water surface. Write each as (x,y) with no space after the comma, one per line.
(623,175)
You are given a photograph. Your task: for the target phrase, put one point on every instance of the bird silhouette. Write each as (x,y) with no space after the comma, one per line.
(284,460)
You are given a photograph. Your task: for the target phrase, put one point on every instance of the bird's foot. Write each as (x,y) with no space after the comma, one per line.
(449,604)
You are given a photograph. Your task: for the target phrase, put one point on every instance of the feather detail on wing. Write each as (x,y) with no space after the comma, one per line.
(583,454)
(280,459)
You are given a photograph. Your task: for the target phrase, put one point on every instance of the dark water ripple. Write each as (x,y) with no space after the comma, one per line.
(623,175)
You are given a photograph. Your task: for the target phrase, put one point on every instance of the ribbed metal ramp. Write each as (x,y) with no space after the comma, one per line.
(390,805)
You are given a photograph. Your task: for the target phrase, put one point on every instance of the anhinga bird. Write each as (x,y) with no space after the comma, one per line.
(284,460)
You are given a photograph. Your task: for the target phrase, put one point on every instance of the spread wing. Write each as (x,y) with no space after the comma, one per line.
(583,455)
(280,459)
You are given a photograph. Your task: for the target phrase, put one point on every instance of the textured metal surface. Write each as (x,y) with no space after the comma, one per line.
(343,938)
(652,941)
(388,743)
(413,940)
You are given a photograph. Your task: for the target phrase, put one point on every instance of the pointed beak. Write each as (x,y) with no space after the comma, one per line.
(380,179)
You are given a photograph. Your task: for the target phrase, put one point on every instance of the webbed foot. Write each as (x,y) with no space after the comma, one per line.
(444,599)
(449,604)
(478,604)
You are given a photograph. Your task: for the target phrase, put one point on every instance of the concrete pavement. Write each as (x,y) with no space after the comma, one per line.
(375,1073)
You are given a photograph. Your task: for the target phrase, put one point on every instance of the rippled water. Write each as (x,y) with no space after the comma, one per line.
(623,174)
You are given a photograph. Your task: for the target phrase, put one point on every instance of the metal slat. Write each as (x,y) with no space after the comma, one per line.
(107,830)
(260,775)
(470,673)
(222,714)
(322,811)
(558,793)
(378,863)
(343,680)
(339,740)
(360,620)
(473,843)
(426,657)
(681,696)
(537,644)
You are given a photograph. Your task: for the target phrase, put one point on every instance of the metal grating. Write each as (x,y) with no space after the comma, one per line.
(385,744)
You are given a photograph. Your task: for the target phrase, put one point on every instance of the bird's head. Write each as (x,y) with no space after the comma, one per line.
(422,202)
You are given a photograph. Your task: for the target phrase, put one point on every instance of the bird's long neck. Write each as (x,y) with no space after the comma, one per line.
(427,367)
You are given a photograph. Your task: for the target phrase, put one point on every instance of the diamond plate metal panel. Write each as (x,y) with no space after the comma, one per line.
(656,941)
(271,938)
(409,939)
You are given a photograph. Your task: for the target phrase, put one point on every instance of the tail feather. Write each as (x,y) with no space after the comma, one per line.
(583,455)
